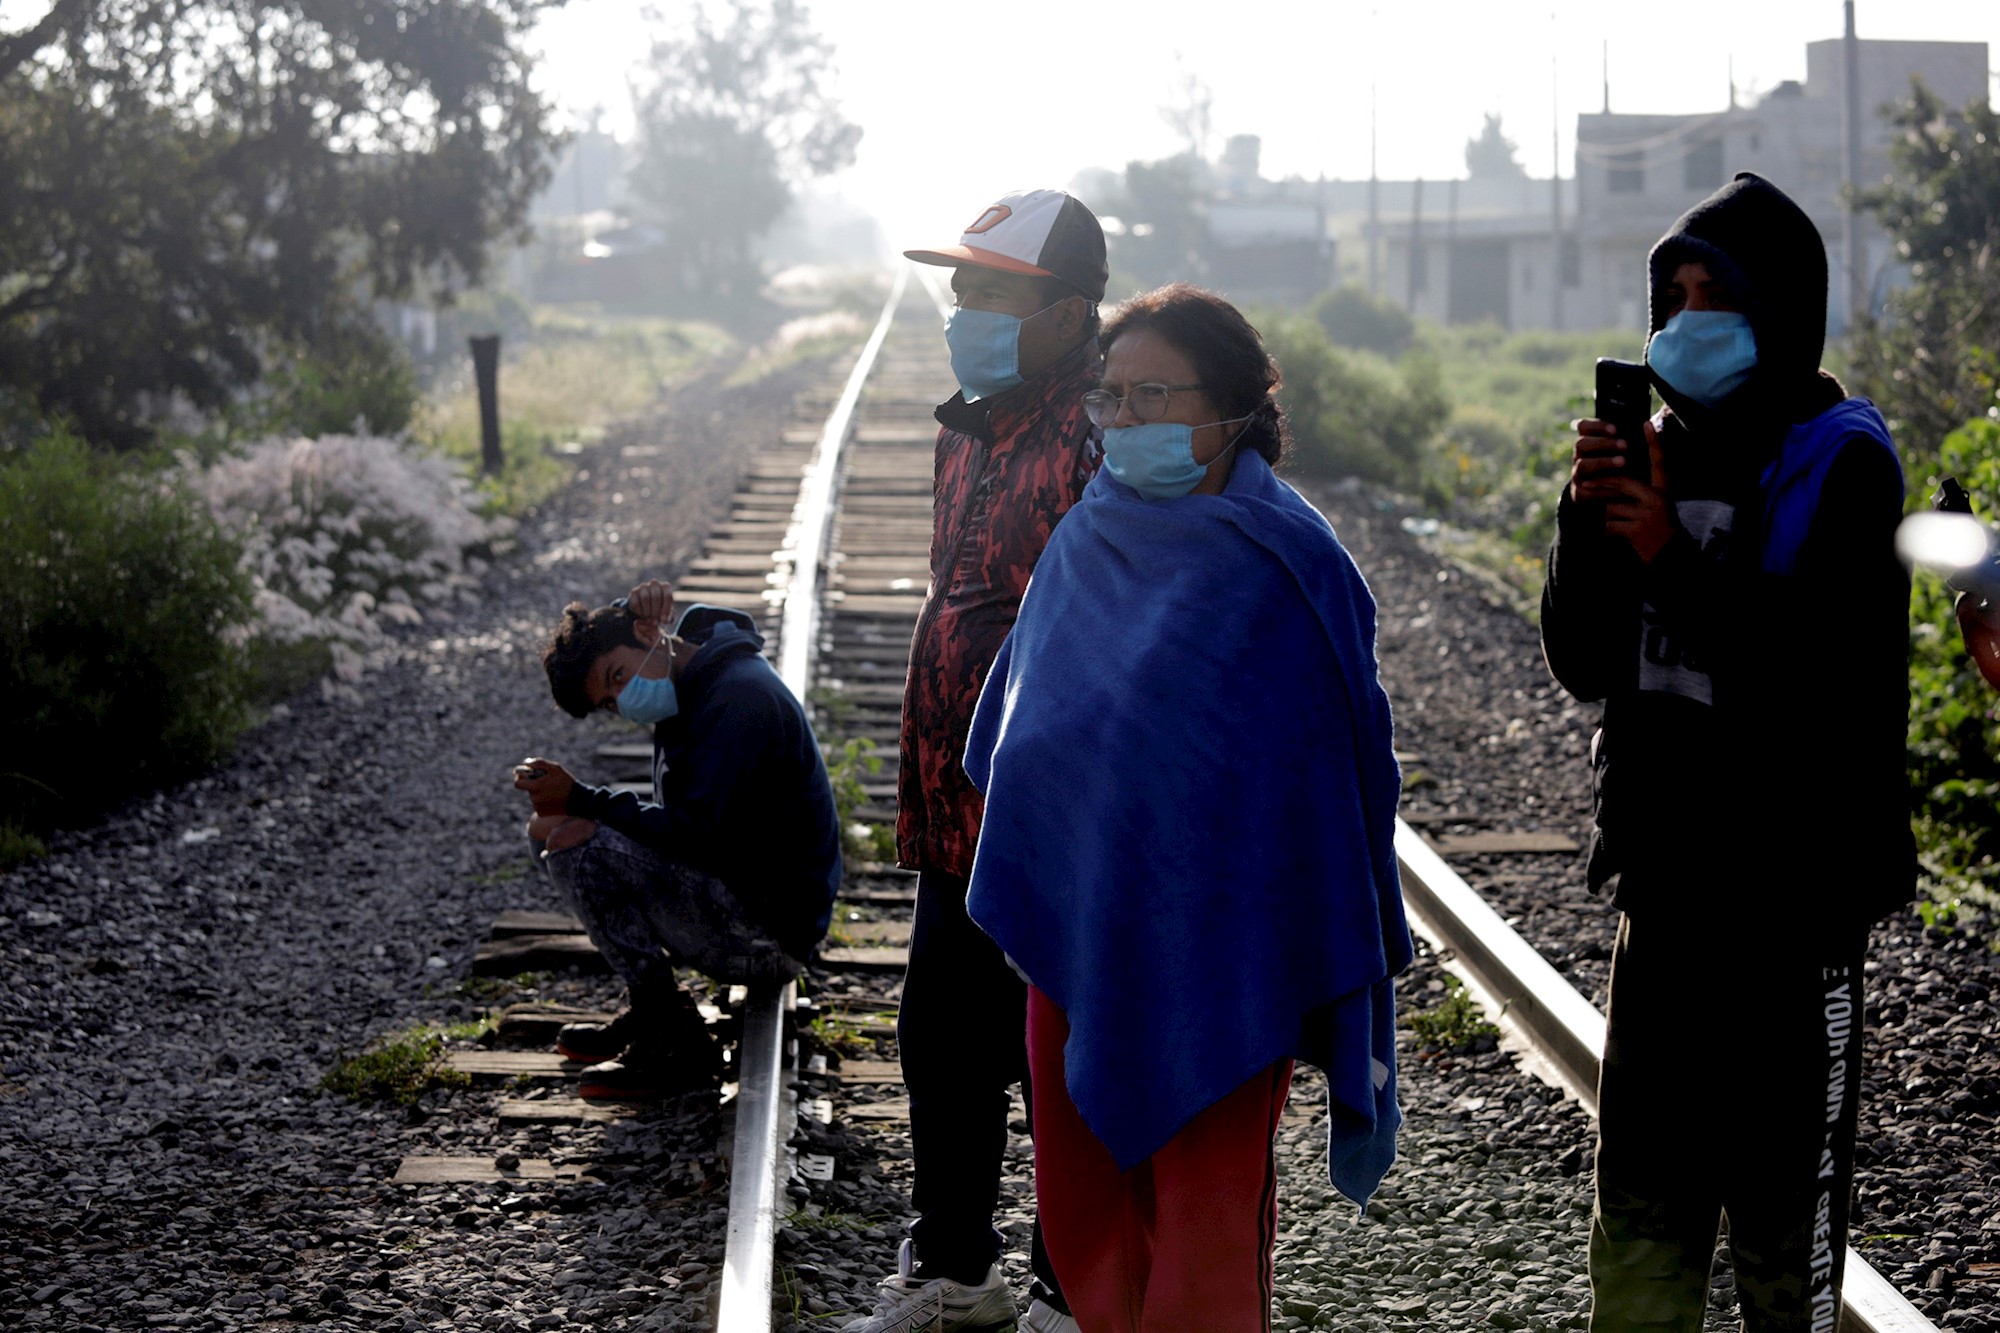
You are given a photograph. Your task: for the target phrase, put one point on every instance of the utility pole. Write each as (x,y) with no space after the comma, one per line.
(1450,243)
(1374,205)
(1856,253)
(1607,76)
(1417,256)
(1556,182)
(1329,268)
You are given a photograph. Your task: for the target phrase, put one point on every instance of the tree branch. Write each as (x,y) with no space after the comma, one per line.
(16,48)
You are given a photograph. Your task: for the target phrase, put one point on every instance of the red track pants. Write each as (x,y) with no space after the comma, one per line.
(1181,1243)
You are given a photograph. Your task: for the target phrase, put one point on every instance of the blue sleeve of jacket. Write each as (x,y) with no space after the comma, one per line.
(736,732)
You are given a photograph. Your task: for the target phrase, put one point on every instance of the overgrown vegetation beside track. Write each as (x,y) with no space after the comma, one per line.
(1471,421)
(122,660)
(565,376)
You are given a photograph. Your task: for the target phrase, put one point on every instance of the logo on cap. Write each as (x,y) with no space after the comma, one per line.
(990,219)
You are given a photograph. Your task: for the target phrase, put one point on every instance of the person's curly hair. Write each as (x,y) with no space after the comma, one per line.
(583,637)
(1227,352)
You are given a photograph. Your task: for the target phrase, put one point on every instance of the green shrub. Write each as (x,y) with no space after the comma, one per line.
(122,607)
(1354,413)
(1954,736)
(359,381)
(1353,318)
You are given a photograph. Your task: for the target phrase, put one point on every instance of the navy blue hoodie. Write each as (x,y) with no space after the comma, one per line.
(1750,763)
(739,785)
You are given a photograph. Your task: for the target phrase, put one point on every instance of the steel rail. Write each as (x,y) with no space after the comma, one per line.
(757,1155)
(1560,1033)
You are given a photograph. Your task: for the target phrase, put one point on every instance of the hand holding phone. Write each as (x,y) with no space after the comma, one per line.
(1625,401)
(547,783)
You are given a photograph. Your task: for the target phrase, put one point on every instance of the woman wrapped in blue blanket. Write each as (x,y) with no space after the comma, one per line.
(1187,849)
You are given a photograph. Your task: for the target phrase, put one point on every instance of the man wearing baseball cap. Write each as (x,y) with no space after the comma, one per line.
(1015,452)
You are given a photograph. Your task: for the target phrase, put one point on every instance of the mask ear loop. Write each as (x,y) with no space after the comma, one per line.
(657,645)
(1236,439)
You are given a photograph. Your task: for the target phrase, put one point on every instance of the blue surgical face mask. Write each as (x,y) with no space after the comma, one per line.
(1156,458)
(1705,354)
(645,701)
(986,349)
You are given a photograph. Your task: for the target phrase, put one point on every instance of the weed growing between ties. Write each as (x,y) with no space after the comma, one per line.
(848,765)
(813,1217)
(842,1036)
(493,989)
(1456,1025)
(401,1068)
(793,1297)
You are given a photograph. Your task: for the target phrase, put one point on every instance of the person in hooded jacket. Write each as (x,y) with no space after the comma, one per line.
(1739,608)
(730,869)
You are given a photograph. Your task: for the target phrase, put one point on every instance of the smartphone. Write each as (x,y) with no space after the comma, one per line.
(1625,399)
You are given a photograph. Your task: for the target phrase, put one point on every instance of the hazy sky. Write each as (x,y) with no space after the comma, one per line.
(960,102)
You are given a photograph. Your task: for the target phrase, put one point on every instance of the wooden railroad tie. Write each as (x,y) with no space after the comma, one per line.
(865,959)
(1500,844)
(467,1170)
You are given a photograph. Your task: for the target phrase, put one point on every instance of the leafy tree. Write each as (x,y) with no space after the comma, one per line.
(1164,223)
(733,114)
(1189,113)
(1492,153)
(190,187)
(1934,364)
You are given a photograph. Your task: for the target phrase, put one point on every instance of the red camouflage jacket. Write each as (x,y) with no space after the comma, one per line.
(1006,470)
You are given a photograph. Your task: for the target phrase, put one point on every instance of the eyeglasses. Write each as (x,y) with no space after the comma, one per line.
(1147,401)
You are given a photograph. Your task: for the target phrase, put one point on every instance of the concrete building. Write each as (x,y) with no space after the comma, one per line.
(1634,174)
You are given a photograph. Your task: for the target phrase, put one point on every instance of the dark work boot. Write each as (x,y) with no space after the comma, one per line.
(664,1058)
(645,1006)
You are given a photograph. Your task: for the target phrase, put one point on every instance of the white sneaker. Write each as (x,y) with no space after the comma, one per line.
(940,1305)
(1045,1318)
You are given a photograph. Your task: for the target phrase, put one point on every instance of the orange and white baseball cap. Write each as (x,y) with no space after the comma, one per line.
(1038,233)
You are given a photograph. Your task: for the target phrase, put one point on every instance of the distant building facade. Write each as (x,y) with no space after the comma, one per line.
(1634,174)
(1264,241)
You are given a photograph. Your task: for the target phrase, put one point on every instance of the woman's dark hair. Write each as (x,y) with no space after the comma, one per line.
(583,637)
(1227,352)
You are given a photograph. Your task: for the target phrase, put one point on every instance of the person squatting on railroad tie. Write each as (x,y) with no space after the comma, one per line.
(730,869)
(1188,845)
(1739,608)
(1014,452)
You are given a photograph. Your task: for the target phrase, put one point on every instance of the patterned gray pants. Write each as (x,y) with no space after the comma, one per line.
(647,914)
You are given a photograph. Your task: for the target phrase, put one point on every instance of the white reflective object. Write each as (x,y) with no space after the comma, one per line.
(1943,542)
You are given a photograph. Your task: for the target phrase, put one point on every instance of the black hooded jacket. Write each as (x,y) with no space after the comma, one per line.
(1750,764)
(740,788)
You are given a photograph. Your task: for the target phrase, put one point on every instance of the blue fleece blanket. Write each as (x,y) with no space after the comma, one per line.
(1190,804)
